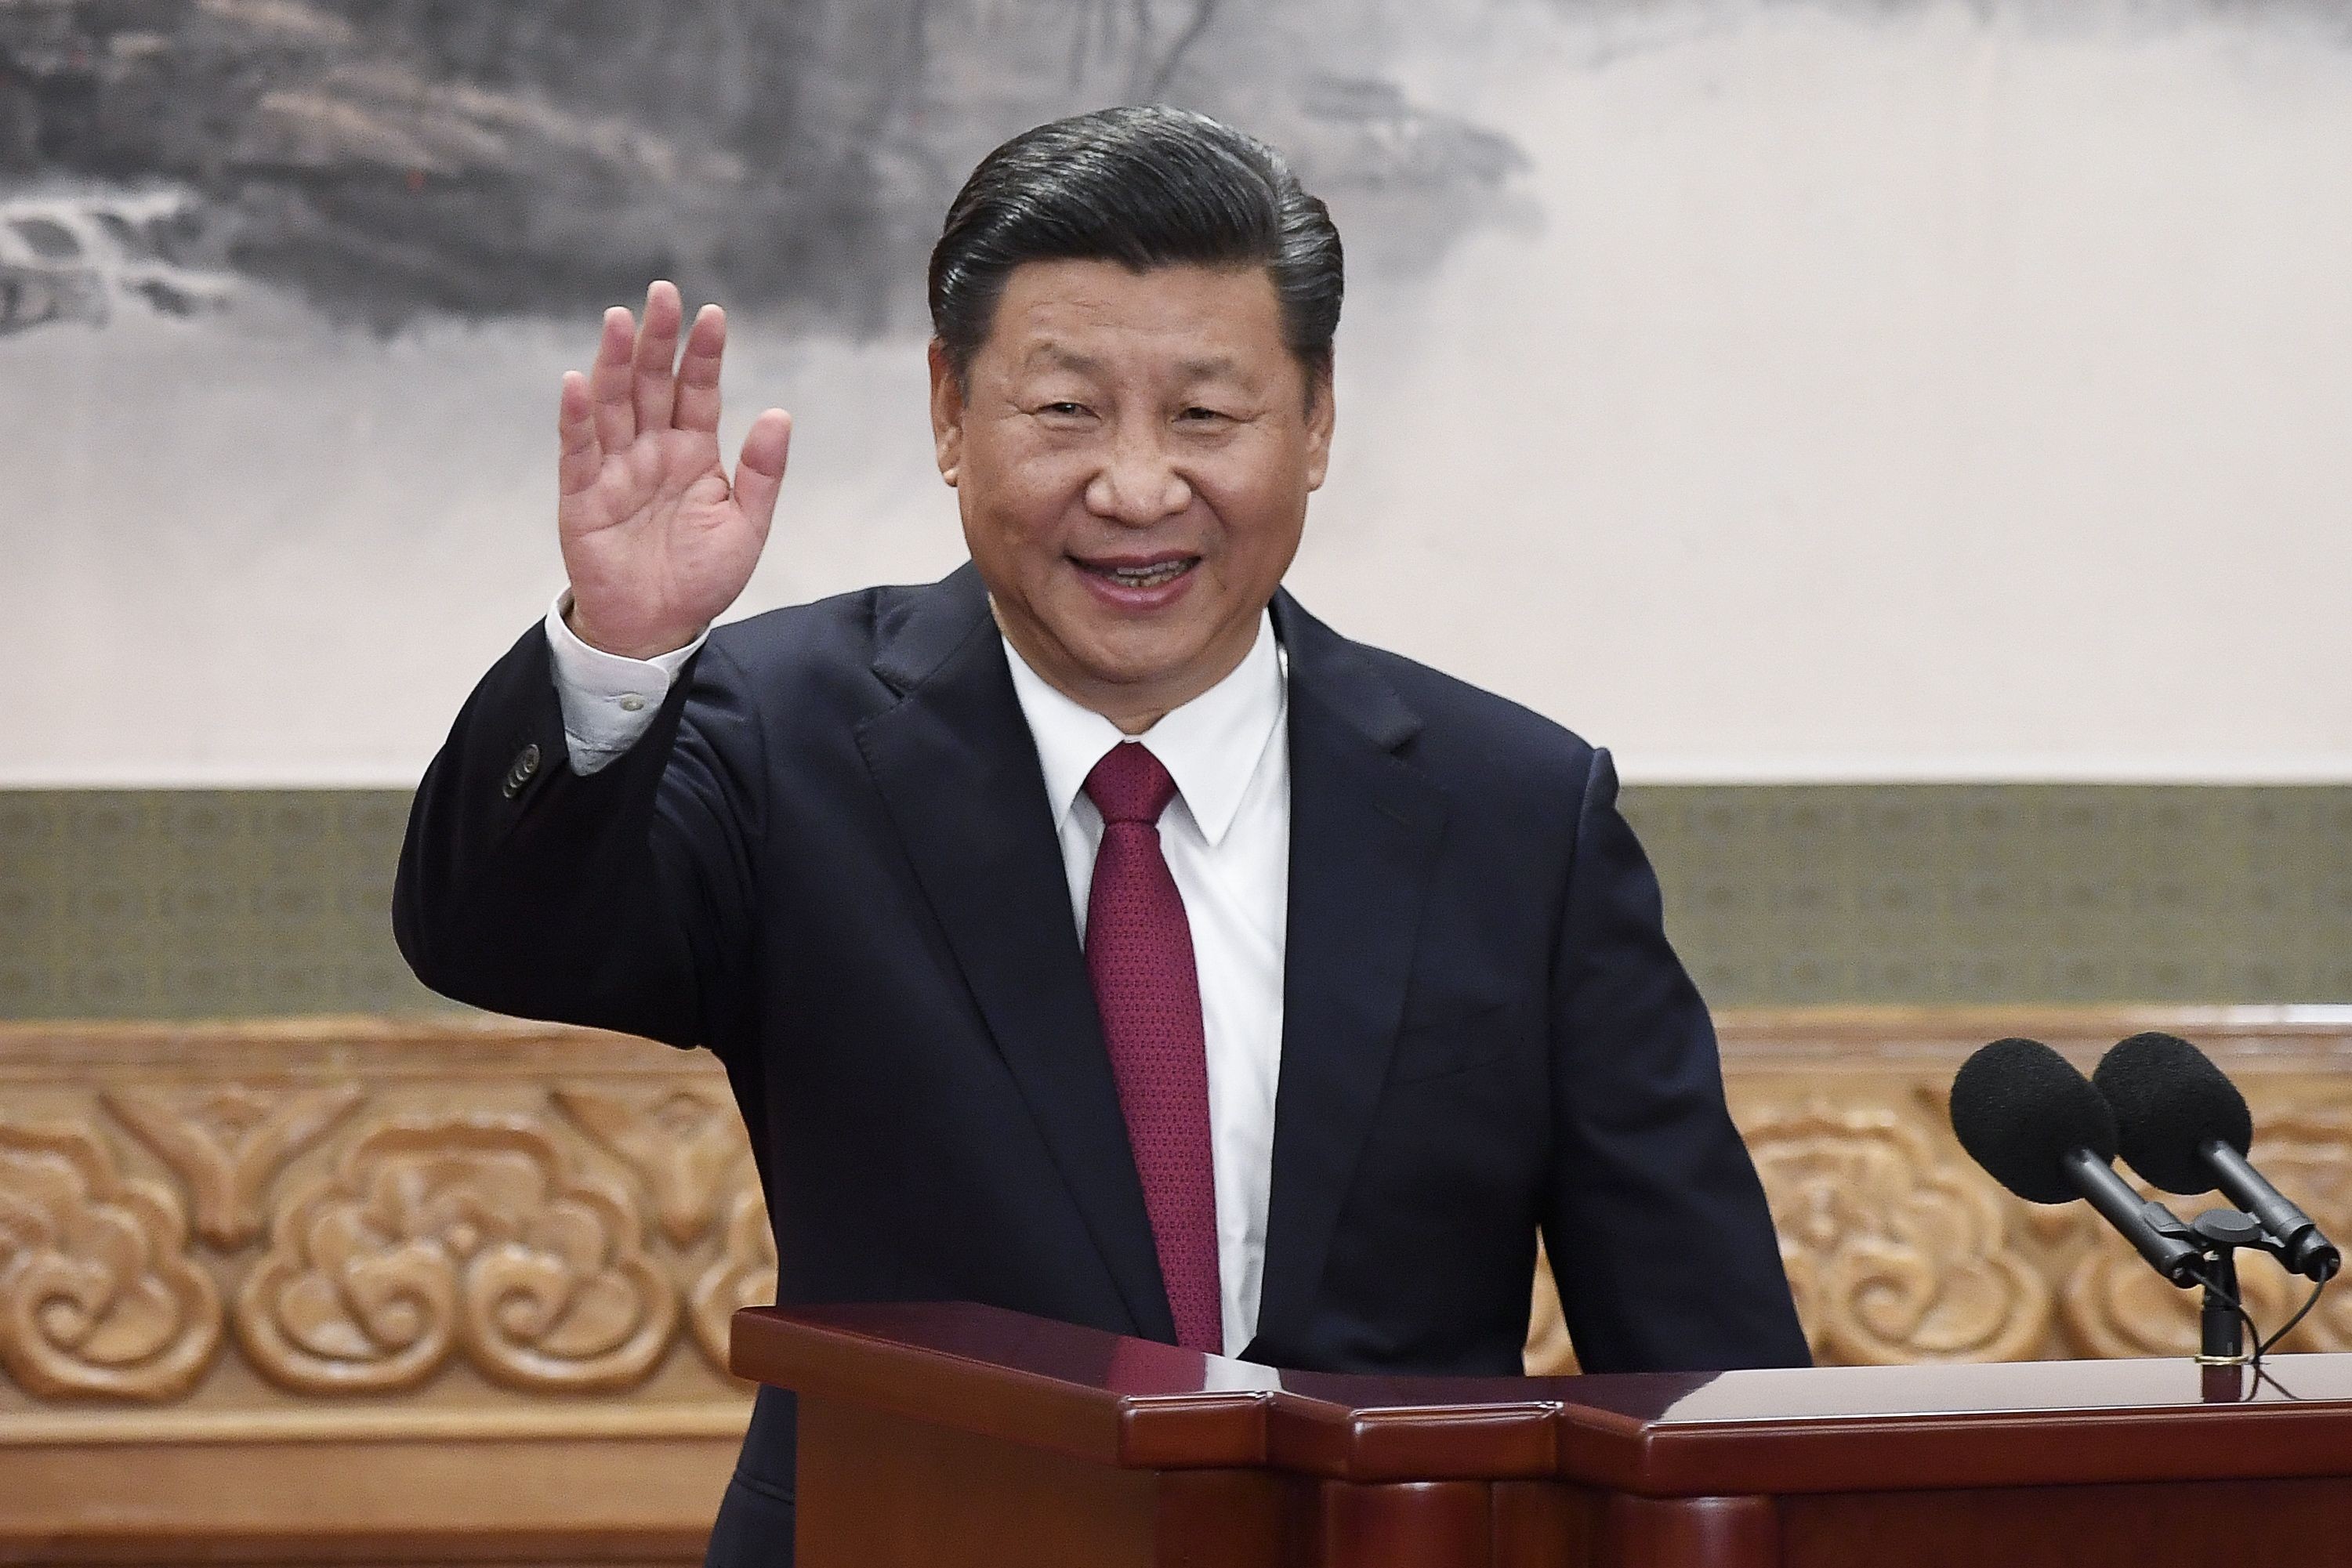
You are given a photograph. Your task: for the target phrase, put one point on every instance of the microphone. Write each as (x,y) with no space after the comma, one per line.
(2039,1127)
(2182,1124)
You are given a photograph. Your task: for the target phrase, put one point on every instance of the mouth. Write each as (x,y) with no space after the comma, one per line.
(1138,576)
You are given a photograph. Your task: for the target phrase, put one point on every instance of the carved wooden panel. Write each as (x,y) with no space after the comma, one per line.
(1900,1249)
(97,1295)
(1894,1253)
(459,1234)
(495,1245)
(470,1279)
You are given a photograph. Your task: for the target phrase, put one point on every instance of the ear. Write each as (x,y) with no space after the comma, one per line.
(1322,413)
(947,412)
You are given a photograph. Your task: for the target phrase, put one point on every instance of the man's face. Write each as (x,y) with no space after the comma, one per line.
(1132,455)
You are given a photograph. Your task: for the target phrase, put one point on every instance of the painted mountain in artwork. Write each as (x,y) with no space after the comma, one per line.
(384,157)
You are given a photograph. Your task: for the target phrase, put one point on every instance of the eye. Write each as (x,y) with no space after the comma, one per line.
(1063,410)
(1197,414)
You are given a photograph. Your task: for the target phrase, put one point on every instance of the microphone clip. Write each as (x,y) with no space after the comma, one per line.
(2220,1234)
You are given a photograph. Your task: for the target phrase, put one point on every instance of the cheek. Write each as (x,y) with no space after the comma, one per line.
(1022,504)
(1261,512)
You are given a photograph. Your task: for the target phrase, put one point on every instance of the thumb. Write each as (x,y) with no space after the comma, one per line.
(759,471)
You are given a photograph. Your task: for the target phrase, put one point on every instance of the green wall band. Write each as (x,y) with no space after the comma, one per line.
(173,904)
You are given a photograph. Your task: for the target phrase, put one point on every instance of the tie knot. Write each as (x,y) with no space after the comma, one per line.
(1129,785)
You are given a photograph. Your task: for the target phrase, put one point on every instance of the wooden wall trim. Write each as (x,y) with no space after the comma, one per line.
(625,1423)
(232,1252)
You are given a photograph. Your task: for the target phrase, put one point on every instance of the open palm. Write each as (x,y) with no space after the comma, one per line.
(656,538)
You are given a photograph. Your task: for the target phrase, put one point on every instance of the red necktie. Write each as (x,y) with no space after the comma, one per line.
(1140,952)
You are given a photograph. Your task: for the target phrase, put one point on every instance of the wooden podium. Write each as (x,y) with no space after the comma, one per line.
(952,1436)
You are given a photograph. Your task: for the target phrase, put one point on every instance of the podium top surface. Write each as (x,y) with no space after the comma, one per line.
(1142,1404)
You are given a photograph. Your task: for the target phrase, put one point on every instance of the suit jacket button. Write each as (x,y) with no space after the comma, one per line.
(526,763)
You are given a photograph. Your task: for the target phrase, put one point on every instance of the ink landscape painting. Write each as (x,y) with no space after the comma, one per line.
(1644,295)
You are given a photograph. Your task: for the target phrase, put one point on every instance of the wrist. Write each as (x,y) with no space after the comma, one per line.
(643,644)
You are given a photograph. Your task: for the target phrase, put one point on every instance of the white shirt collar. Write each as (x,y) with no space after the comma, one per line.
(1210,746)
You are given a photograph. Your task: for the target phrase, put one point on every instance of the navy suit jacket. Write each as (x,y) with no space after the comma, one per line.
(831,861)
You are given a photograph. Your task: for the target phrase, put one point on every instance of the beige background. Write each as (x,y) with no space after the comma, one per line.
(1921,391)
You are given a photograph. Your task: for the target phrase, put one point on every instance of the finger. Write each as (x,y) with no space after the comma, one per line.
(759,471)
(698,372)
(653,387)
(576,431)
(608,382)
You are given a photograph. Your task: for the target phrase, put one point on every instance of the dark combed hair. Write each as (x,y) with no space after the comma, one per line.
(1145,187)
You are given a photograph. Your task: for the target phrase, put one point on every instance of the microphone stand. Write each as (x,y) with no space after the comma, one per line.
(2221,1321)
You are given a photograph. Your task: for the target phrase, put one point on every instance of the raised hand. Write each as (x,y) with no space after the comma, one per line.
(657,539)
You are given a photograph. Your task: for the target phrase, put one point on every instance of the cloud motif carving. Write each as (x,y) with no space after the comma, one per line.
(97,1294)
(470,1236)
(229,1142)
(742,1275)
(683,1144)
(1893,1254)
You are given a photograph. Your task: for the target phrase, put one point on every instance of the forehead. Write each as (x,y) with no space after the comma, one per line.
(1053,313)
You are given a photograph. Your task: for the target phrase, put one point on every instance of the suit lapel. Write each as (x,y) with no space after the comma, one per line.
(958,772)
(1364,829)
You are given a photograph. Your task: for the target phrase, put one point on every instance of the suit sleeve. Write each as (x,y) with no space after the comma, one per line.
(621,899)
(1656,1225)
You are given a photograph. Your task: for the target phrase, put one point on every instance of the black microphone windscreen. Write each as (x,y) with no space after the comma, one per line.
(2020,1109)
(2170,1101)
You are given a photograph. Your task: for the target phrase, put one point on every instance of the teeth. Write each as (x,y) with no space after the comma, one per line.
(1147,575)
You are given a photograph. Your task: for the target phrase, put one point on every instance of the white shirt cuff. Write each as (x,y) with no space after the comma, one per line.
(608,701)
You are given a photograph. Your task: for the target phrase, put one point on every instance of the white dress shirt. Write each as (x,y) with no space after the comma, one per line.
(1227,837)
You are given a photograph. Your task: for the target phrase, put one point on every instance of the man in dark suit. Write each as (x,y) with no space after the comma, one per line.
(1095,933)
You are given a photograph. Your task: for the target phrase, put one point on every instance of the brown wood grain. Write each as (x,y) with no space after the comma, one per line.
(1074,1391)
(2276,1521)
(960,1427)
(1690,1532)
(880,1491)
(1403,1524)
(1544,1525)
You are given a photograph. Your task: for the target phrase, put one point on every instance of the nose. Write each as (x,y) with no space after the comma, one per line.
(1139,482)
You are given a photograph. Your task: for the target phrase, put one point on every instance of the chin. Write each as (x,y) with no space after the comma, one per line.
(1135,664)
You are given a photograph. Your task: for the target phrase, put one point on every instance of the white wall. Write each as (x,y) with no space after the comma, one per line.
(1870,394)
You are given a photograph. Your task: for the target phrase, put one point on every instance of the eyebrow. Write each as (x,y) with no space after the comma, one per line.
(1214,366)
(1063,358)
(1199,369)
